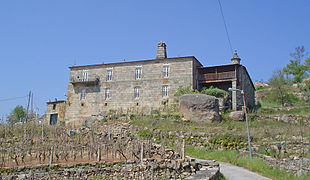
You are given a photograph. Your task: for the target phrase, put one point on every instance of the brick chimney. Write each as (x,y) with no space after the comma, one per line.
(161,51)
(235,59)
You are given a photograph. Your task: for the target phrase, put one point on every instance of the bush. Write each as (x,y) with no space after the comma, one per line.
(104,120)
(132,116)
(286,97)
(176,116)
(145,134)
(184,90)
(228,141)
(212,91)
(131,136)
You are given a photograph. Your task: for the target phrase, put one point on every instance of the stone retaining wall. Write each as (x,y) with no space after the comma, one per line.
(148,169)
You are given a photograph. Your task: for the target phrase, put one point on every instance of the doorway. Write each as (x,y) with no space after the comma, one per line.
(53,119)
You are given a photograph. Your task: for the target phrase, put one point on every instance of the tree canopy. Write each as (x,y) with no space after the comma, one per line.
(18,114)
(298,67)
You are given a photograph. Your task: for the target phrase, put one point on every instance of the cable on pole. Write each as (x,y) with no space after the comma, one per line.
(10,99)
(231,49)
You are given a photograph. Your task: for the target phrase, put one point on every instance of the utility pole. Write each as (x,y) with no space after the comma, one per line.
(27,111)
(24,126)
(246,118)
(31,109)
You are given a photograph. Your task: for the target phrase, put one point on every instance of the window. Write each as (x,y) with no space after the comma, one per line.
(85,75)
(137,92)
(109,75)
(165,71)
(54,106)
(83,92)
(138,73)
(165,91)
(107,93)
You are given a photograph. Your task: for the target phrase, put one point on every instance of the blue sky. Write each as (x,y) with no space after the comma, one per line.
(40,39)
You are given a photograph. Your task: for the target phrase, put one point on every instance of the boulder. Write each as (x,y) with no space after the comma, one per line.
(71,133)
(237,116)
(200,107)
(89,121)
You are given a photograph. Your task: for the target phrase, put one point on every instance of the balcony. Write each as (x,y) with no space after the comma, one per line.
(217,76)
(89,81)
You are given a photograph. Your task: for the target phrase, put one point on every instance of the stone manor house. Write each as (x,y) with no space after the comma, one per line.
(144,85)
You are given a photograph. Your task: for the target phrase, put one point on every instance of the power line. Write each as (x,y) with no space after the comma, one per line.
(225,27)
(10,99)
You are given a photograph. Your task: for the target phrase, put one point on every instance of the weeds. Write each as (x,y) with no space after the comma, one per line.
(256,164)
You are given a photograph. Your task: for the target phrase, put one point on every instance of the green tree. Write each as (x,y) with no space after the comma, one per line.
(17,115)
(297,70)
(306,90)
(296,67)
(279,93)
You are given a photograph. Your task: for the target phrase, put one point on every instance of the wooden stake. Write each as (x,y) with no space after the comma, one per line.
(183,150)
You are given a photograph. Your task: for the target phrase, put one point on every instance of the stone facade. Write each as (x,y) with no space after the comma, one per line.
(57,109)
(122,86)
(146,85)
(247,86)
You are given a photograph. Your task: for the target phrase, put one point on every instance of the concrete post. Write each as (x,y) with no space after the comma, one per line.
(234,96)
(51,156)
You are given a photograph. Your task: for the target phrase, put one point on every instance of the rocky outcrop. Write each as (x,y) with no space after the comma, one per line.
(200,108)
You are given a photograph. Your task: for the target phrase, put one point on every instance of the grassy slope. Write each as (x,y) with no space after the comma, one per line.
(256,164)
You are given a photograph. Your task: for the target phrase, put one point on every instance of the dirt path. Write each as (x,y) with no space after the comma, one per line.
(232,172)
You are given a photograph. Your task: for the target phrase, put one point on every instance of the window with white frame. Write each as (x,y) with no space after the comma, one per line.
(138,73)
(165,91)
(83,92)
(85,75)
(137,92)
(107,93)
(109,75)
(165,71)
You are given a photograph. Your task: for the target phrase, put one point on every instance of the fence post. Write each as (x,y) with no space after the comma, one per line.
(183,150)
(51,157)
(99,154)
(141,153)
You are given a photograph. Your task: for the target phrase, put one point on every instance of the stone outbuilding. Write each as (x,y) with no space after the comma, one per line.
(55,111)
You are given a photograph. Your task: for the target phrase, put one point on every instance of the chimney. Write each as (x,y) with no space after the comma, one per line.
(161,51)
(235,59)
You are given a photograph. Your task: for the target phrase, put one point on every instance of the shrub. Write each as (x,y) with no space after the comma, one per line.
(228,141)
(285,97)
(104,120)
(132,116)
(176,116)
(184,90)
(131,136)
(212,91)
(145,134)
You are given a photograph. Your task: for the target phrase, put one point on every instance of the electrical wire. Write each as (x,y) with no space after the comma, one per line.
(14,98)
(225,27)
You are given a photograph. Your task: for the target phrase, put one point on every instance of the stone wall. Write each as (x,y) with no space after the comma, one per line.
(149,169)
(246,85)
(122,86)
